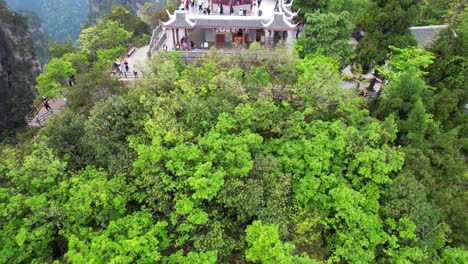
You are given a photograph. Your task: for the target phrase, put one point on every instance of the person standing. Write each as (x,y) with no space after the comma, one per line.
(45,103)
(221,9)
(120,70)
(231,10)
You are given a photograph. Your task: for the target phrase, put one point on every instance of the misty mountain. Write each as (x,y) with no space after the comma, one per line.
(61,19)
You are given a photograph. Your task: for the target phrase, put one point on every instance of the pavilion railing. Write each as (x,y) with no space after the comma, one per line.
(34,116)
(190,56)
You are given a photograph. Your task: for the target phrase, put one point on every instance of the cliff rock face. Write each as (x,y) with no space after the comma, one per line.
(18,70)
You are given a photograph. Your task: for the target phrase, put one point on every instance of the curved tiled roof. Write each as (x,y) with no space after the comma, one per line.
(279,23)
(247,22)
(178,20)
(425,35)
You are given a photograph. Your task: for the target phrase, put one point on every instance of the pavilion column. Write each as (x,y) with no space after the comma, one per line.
(173,37)
(177,35)
(187,33)
(243,37)
(269,37)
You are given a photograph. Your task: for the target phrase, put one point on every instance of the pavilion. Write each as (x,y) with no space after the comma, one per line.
(274,20)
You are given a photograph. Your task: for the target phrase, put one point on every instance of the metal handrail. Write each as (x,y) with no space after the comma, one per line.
(155,34)
(156,39)
(39,119)
(36,108)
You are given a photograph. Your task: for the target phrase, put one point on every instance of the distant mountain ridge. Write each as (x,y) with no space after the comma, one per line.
(99,7)
(61,18)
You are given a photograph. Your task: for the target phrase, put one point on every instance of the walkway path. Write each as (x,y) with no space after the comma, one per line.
(139,57)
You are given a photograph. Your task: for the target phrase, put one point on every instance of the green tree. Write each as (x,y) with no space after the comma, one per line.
(49,84)
(110,123)
(31,206)
(318,86)
(63,135)
(135,238)
(103,35)
(385,23)
(57,49)
(91,87)
(131,22)
(327,33)
(433,12)
(265,245)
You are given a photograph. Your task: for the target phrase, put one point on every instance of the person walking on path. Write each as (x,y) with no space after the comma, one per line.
(135,72)
(45,102)
(200,6)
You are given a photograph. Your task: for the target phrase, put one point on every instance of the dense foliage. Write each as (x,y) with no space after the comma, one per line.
(100,8)
(241,160)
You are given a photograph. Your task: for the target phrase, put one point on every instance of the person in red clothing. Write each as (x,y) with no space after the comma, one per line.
(126,65)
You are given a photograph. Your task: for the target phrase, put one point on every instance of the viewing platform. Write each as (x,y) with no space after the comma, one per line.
(38,117)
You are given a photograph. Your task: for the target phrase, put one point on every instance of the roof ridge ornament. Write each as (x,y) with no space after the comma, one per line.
(179,20)
(284,8)
(290,3)
(279,22)
(169,14)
